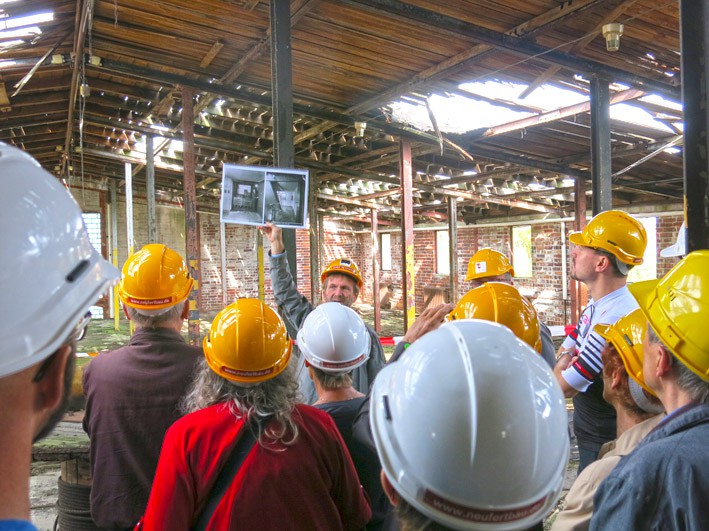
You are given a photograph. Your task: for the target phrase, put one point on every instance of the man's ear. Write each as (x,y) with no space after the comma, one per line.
(185,310)
(664,361)
(617,377)
(603,263)
(50,388)
(125,311)
(389,489)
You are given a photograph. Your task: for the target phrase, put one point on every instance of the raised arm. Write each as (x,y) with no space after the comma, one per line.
(292,305)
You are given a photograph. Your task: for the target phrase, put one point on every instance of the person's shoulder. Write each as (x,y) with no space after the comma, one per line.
(639,465)
(307,411)
(201,418)
(106,360)
(615,305)
(197,351)
(312,416)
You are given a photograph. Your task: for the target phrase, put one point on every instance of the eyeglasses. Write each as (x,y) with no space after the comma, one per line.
(77,334)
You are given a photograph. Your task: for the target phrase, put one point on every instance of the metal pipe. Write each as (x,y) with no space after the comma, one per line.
(222,252)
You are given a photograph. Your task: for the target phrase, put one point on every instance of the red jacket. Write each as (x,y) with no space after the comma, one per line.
(310,485)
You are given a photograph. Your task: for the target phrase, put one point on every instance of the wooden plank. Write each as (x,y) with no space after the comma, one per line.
(4,100)
(211,54)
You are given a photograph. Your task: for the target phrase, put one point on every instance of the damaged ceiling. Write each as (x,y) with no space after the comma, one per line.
(83,91)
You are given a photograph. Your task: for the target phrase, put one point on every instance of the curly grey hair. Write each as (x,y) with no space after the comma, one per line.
(268,406)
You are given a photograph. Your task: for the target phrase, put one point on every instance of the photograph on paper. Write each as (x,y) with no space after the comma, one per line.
(255,195)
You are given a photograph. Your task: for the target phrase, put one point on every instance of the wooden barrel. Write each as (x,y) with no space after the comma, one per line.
(73,505)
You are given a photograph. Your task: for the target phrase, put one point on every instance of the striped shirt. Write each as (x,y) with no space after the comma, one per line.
(588,344)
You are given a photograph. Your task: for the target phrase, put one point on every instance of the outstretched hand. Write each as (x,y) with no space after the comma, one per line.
(275,237)
(429,320)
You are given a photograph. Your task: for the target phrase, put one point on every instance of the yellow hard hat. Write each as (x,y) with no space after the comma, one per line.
(627,335)
(488,263)
(677,308)
(154,278)
(343,266)
(616,232)
(247,343)
(501,303)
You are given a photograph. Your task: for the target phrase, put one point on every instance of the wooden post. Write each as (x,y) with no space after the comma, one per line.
(407,235)
(191,227)
(453,247)
(376,267)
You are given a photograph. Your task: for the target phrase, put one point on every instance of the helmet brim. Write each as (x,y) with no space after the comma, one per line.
(78,297)
(673,251)
(344,272)
(577,239)
(633,367)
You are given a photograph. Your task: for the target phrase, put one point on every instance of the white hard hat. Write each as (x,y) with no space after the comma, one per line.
(471,428)
(334,338)
(679,248)
(51,274)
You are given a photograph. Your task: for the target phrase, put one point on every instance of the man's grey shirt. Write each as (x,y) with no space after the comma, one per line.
(293,307)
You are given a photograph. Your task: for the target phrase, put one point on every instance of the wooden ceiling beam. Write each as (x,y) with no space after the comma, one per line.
(515,44)
(558,114)
(579,45)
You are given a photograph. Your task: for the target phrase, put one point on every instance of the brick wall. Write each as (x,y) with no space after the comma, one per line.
(667,228)
(241,248)
(544,288)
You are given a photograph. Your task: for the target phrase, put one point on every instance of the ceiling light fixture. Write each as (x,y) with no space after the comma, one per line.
(612,33)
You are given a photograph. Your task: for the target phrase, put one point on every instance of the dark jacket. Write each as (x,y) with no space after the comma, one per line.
(132,395)
(664,483)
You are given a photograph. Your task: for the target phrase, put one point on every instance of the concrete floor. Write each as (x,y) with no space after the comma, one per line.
(66,441)
(43,494)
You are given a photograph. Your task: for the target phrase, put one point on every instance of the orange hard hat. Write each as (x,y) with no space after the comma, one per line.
(343,266)
(501,303)
(154,278)
(247,343)
(616,232)
(488,263)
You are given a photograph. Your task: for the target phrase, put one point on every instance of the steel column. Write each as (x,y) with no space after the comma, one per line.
(114,251)
(191,228)
(261,274)
(407,235)
(150,188)
(222,254)
(600,145)
(694,17)
(282,103)
(376,268)
(315,236)
(453,246)
(130,243)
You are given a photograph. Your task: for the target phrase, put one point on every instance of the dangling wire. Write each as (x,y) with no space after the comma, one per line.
(83,94)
